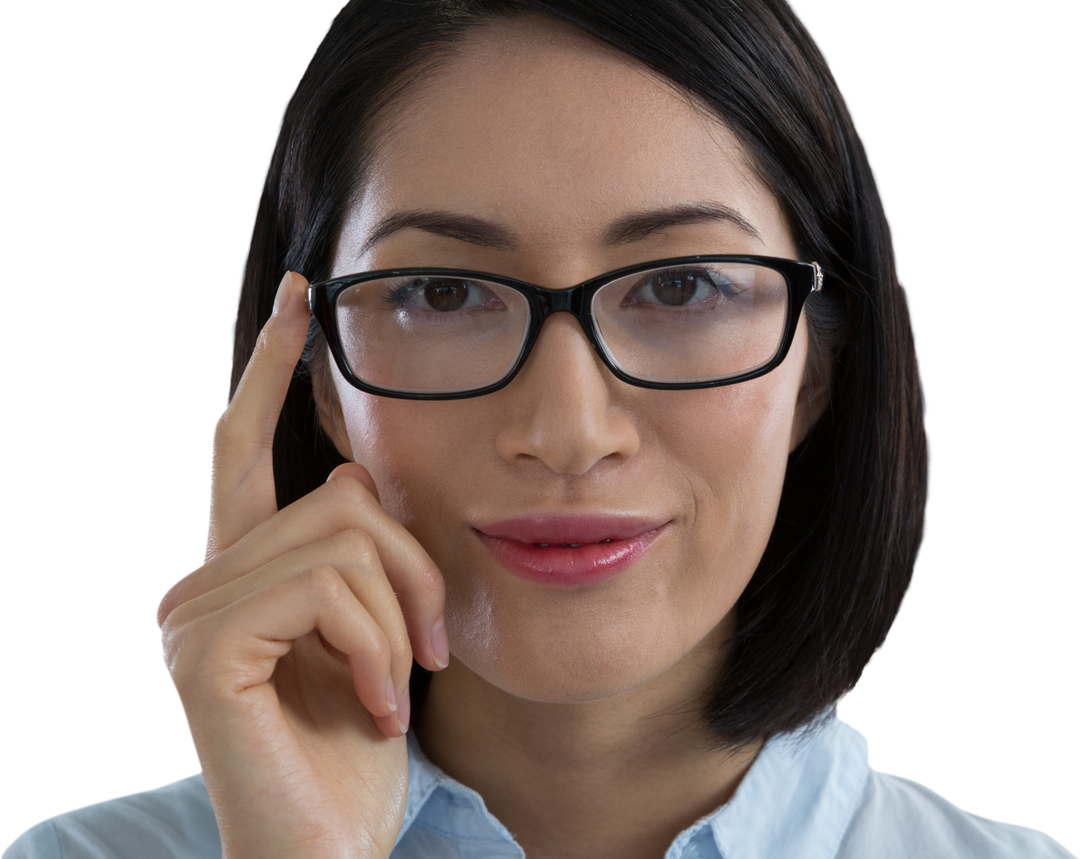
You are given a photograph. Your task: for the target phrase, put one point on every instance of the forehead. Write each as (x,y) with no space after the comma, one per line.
(531,123)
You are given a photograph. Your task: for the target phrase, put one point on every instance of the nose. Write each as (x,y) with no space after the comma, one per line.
(559,409)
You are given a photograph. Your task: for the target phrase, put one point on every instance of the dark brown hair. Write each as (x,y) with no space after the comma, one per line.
(850,520)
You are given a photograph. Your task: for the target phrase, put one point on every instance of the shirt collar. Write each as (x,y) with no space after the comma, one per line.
(445,804)
(795,802)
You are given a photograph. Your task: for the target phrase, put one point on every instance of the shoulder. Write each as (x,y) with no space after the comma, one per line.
(895,818)
(172,822)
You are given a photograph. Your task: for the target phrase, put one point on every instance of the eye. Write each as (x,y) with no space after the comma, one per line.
(680,287)
(439,294)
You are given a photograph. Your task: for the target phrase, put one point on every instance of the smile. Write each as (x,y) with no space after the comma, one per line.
(569,565)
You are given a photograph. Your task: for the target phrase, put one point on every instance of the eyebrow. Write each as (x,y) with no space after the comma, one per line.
(626,230)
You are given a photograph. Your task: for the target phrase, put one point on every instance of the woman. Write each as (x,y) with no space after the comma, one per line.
(642,586)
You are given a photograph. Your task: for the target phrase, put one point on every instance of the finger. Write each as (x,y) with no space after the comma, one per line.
(416,580)
(356,471)
(341,504)
(242,643)
(243,476)
(353,555)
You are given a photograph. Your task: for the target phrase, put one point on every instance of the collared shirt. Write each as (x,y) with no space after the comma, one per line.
(808,795)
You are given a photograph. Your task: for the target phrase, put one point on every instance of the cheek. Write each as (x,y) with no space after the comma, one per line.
(416,451)
(768,401)
(729,448)
(731,444)
(374,425)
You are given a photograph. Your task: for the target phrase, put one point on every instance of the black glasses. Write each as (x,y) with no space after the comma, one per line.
(442,333)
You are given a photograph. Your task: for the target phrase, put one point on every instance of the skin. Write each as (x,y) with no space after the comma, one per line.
(573,712)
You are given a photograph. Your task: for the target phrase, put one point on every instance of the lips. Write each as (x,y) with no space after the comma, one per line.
(569,551)
(568,530)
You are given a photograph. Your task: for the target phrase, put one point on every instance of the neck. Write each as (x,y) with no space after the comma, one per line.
(616,777)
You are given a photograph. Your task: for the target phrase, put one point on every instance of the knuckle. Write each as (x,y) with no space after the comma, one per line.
(223,431)
(378,649)
(216,423)
(174,598)
(184,650)
(168,604)
(226,440)
(429,582)
(174,652)
(269,342)
(222,428)
(400,647)
(268,334)
(263,341)
(170,639)
(356,546)
(347,492)
(324,583)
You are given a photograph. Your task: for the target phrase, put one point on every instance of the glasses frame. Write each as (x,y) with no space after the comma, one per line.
(802,278)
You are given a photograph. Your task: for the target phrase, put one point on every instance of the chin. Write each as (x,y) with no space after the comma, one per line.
(566,660)
(581,687)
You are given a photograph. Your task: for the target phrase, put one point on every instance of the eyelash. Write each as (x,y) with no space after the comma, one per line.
(724,288)
(395,294)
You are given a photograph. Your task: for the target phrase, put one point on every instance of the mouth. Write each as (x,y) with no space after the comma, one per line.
(570,551)
(561,530)
(570,545)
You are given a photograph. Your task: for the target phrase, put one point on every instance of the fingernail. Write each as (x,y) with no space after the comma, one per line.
(391,695)
(281,299)
(440,645)
(404,708)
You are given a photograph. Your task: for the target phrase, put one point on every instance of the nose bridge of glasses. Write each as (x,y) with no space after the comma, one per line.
(560,301)
(572,301)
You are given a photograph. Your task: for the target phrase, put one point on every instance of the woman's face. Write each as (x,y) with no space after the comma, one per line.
(543,139)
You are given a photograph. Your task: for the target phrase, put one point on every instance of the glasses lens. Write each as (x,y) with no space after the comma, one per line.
(691,323)
(439,334)
(433,334)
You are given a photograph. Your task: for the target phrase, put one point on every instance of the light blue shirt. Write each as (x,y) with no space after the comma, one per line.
(807,796)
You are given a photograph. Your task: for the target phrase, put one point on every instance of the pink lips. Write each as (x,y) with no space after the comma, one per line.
(569,551)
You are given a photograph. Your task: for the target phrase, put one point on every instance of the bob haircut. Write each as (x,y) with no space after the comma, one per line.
(851,512)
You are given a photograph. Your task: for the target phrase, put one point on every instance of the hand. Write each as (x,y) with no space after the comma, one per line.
(292,646)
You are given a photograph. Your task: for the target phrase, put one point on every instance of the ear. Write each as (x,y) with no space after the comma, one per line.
(814,396)
(328,406)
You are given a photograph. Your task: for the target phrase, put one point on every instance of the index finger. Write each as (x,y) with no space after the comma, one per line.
(242,493)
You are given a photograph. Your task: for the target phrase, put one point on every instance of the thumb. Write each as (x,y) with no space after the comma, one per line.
(356,471)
